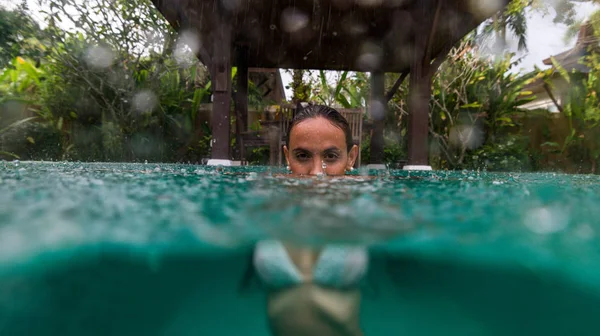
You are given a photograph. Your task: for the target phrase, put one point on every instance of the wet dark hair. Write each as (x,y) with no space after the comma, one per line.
(326,112)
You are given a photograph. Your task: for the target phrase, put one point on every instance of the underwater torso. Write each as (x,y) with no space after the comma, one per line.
(310,293)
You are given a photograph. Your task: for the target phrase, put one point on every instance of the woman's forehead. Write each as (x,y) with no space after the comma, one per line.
(317,133)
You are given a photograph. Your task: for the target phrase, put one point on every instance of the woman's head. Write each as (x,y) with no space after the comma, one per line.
(319,134)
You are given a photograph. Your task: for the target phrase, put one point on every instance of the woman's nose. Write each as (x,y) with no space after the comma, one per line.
(317,167)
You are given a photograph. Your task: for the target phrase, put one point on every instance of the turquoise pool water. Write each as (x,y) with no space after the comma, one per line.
(156,249)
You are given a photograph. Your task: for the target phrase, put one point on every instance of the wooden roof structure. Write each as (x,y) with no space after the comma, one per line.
(360,35)
(377,36)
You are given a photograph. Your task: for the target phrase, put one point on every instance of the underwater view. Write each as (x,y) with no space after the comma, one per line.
(161,249)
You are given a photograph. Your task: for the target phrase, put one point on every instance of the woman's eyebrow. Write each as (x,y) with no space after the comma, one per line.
(332,149)
(298,150)
(303,150)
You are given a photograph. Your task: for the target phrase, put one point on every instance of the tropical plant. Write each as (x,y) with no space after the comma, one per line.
(19,36)
(475,101)
(581,104)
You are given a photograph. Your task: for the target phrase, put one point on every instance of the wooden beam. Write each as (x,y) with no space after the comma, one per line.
(551,95)
(432,29)
(269,90)
(396,86)
(204,57)
(377,111)
(221,78)
(262,70)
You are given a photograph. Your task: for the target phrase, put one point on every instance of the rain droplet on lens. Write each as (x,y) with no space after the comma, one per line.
(469,136)
(377,110)
(99,57)
(231,5)
(187,47)
(144,100)
(293,20)
(485,8)
(368,3)
(370,57)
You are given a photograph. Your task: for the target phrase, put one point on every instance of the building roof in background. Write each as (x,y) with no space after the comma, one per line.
(570,59)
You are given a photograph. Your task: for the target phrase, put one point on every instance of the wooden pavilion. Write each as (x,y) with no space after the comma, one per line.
(377,36)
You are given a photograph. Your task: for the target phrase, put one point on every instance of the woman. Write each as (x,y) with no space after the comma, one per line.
(314,292)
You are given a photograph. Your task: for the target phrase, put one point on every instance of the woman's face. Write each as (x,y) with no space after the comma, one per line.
(315,141)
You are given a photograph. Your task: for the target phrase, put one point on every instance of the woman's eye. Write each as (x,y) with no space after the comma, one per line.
(331,157)
(302,156)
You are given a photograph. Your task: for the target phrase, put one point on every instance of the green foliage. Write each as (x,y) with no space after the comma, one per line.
(513,19)
(393,150)
(350,89)
(508,153)
(19,36)
(581,105)
(475,101)
(32,141)
(301,89)
(108,97)
(21,80)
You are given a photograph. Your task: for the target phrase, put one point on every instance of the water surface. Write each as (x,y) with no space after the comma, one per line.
(157,249)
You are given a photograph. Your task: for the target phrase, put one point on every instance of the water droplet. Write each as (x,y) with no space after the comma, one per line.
(293,20)
(145,161)
(145,101)
(377,111)
(370,57)
(188,45)
(469,136)
(485,8)
(99,57)
(232,5)
(368,3)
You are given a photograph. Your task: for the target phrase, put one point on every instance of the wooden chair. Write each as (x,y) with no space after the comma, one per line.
(273,134)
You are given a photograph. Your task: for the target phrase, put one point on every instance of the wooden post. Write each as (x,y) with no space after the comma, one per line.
(241,98)
(377,113)
(242,86)
(421,73)
(221,79)
(418,118)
